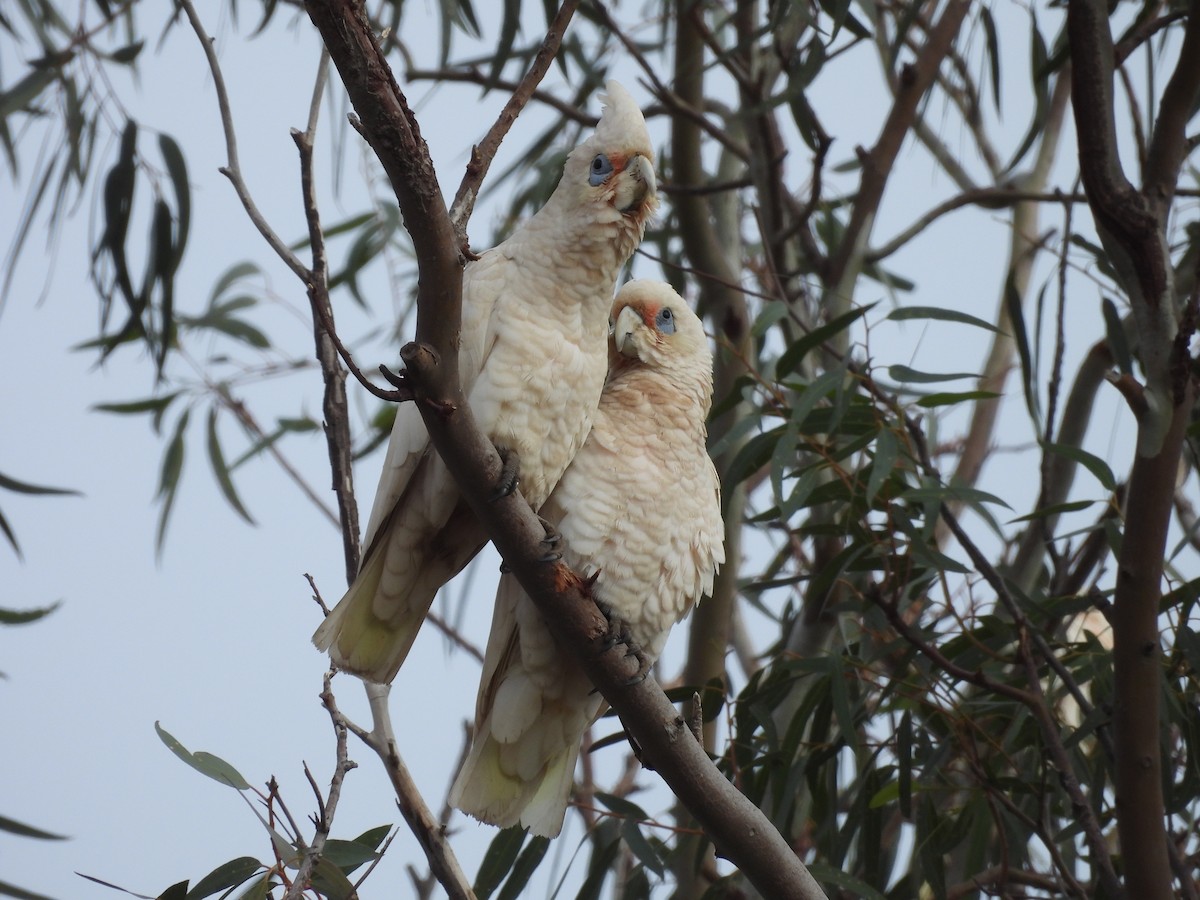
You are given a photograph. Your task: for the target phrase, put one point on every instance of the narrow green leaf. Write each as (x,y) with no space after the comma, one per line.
(792,356)
(25,91)
(498,861)
(1089,461)
(345,854)
(12,826)
(1029,376)
(116,887)
(150,404)
(258,890)
(904,757)
(332,881)
(951,493)
(949,398)
(1055,510)
(168,481)
(601,864)
(887,451)
(526,864)
(126,55)
(993,52)
(175,892)
(906,374)
(176,166)
(231,276)
(219,770)
(22,487)
(827,874)
(642,848)
(1038,58)
(212,766)
(225,877)
(840,693)
(373,837)
(885,795)
(11,890)
(621,806)
(906,313)
(509,26)
(220,470)
(9,535)
(24,617)
(1114,330)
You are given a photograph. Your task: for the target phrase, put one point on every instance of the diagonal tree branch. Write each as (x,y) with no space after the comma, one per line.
(877,164)
(1168,145)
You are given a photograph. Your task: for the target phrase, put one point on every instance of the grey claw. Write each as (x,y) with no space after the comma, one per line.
(510,474)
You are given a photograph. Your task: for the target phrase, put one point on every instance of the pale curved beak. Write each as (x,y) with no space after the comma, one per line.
(641,172)
(628,321)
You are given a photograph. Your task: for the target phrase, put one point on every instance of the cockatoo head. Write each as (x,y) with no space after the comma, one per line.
(653,327)
(609,178)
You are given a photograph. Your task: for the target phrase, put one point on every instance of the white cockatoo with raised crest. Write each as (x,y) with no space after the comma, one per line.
(639,509)
(532,360)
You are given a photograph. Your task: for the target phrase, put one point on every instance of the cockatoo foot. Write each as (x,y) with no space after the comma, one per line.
(619,634)
(510,474)
(551,542)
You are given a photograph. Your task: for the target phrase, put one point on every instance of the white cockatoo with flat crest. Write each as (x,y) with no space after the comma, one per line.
(639,509)
(532,361)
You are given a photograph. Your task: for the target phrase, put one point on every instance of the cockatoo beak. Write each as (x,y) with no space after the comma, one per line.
(640,172)
(628,322)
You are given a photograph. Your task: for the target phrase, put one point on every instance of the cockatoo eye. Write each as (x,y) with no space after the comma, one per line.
(601,169)
(665,320)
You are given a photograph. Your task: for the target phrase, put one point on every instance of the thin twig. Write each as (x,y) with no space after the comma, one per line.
(232,169)
(326,808)
(334,404)
(988,198)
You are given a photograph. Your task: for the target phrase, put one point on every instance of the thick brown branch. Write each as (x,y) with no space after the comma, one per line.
(1137,666)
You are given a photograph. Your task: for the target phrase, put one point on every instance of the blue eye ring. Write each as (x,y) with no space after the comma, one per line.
(665,320)
(600,169)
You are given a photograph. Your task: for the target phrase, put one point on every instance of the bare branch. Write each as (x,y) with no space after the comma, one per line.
(1168,145)
(483,153)
(877,164)
(232,169)
(327,806)
(987,198)
(474,76)
(421,821)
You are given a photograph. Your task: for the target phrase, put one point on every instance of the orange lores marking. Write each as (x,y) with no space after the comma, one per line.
(650,315)
(619,161)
